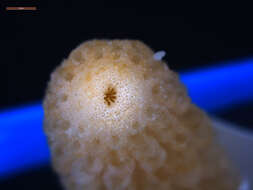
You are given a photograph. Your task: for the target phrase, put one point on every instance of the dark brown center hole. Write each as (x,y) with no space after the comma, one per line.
(110,95)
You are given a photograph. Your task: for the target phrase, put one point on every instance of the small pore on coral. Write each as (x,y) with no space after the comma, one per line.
(98,55)
(110,95)
(64,98)
(69,76)
(155,89)
(96,141)
(115,139)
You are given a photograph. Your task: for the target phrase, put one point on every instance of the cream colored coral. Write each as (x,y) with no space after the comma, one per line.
(116,118)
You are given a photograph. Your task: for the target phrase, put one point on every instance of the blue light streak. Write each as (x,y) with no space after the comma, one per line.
(23,144)
(220,87)
(22,141)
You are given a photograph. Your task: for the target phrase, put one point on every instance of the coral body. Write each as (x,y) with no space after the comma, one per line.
(116,118)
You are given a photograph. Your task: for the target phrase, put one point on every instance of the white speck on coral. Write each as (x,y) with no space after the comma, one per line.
(159,55)
(69,132)
(153,117)
(75,62)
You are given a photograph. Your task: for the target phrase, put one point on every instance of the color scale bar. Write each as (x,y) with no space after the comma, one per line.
(21,8)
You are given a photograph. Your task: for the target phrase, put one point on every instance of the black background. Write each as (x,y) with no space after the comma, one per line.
(33,43)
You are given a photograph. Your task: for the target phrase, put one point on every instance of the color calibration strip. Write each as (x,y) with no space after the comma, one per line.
(21,8)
